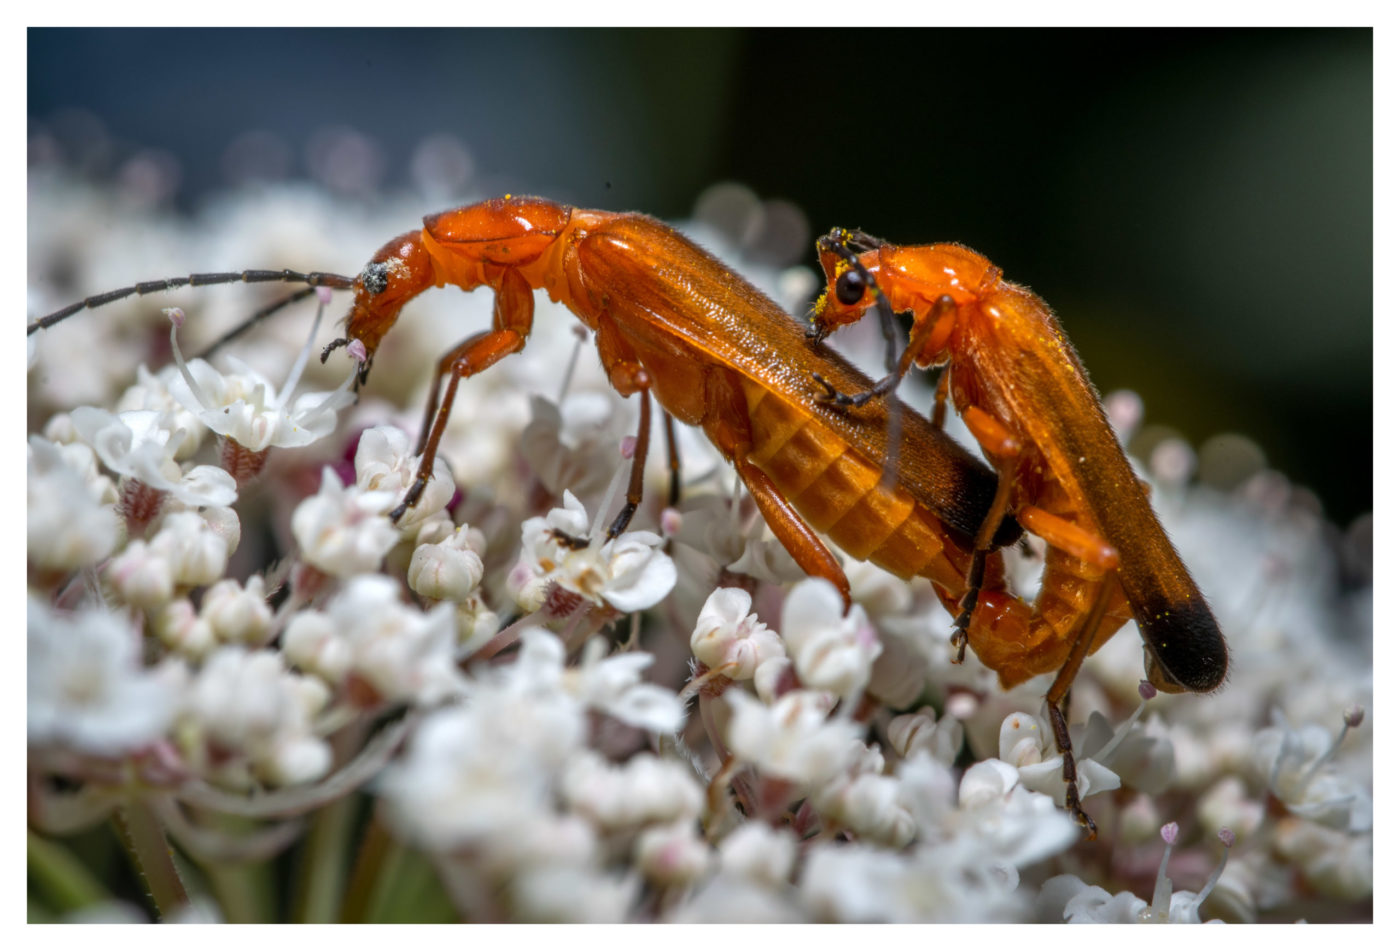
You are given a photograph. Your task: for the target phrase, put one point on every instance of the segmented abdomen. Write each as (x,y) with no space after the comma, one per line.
(837,490)
(1018,640)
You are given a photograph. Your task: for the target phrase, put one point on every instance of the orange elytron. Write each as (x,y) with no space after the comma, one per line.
(1022,391)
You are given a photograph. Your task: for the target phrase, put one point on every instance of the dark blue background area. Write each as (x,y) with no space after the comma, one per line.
(1196,205)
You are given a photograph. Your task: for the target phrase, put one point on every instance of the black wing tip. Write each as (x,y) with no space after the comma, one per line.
(1185,641)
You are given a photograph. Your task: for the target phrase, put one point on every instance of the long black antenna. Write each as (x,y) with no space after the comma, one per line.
(313,280)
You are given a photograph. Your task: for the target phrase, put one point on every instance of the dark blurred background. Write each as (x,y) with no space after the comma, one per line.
(1195,204)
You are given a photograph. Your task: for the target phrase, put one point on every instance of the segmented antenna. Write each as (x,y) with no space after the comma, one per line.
(313,280)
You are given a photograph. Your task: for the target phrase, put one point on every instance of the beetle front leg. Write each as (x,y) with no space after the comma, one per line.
(468,358)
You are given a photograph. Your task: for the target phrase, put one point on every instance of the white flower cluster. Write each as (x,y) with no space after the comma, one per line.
(553,725)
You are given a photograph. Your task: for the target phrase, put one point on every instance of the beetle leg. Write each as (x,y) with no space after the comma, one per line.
(1059,693)
(468,358)
(673,459)
(940,395)
(1003,446)
(639,459)
(627,376)
(510,326)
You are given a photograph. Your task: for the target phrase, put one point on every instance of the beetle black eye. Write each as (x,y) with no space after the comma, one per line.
(375,277)
(850,288)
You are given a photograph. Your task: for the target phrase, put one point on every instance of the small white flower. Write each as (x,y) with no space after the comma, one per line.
(196,553)
(573,894)
(759,852)
(151,391)
(141,576)
(246,703)
(238,613)
(922,730)
(482,772)
(729,639)
(343,530)
(476,625)
(853,883)
(66,526)
(1076,902)
(1294,764)
(180,628)
(1028,744)
(449,570)
(573,445)
(368,633)
(870,806)
(1014,826)
(384,463)
(86,687)
(629,573)
(245,407)
(793,739)
(830,652)
(142,445)
(642,791)
(672,855)
(613,685)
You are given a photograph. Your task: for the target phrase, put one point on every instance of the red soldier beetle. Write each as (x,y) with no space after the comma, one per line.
(1021,389)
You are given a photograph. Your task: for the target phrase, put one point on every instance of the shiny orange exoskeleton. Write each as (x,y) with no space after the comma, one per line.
(671,320)
(1020,388)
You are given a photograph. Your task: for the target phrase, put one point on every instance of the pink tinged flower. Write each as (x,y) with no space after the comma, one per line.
(246,705)
(644,790)
(385,463)
(672,855)
(793,739)
(141,576)
(368,635)
(729,640)
(829,651)
(245,407)
(343,530)
(66,526)
(629,573)
(449,570)
(759,852)
(86,687)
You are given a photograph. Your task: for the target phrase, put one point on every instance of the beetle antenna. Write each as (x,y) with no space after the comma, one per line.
(313,280)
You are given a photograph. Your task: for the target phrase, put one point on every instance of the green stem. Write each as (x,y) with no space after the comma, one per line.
(324,864)
(64,881)
(151,856)
(375,848)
